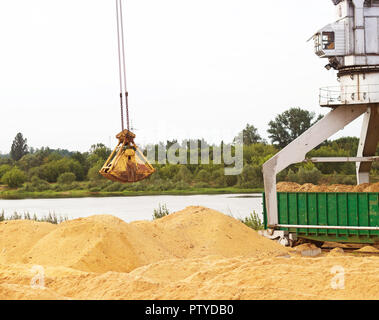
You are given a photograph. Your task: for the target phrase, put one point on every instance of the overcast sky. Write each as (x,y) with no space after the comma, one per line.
(195,68)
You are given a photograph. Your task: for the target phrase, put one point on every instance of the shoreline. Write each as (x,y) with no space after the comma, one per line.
(21,195)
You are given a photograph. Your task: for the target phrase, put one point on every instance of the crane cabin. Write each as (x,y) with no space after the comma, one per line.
(351,44)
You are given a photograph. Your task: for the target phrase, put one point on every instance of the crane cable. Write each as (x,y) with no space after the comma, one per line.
(122,64)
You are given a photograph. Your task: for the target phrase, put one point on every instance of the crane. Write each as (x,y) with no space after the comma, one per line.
(126,163)
(351,45)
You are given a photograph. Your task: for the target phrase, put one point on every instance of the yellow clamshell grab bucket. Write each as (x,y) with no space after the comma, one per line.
(126,163)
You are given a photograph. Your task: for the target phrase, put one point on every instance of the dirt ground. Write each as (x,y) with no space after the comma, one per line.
(197,253)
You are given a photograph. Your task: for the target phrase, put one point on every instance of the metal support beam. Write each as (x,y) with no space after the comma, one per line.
(326,227)
(296,151)
(342,159)
(368,142)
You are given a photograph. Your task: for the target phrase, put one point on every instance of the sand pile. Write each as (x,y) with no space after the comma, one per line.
(105,243)
(368,249)
(19,236)
(287,187)
(206,278)
(372,188)
(308,187)
(336,252)
(196,253)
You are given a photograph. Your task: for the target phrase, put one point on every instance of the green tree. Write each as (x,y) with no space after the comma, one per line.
(307,174)
(4,169)
(14,178)
(82,159)
(258,153)
(66,178)
(54,156)
(93,173)
(249,136)
(184,174)
(231,180)
(169,171)
(36,184)
(251,177)
(51,170)
(218,178)
(29,161)
(289,125)
(203,176)
(333,150)
(19,147)
(349,144)
(98,152)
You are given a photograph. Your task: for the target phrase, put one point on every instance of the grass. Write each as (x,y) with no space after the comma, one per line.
(253,221)
(50,218)
(19,194)
(161,212)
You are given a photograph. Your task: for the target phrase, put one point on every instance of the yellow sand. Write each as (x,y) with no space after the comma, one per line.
(336,252)
(196,253)
(308,187)
(368,249)
(105,243)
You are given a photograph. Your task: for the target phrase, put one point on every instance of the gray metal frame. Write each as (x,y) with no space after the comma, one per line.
(368,142)
(327,227)
(296,151)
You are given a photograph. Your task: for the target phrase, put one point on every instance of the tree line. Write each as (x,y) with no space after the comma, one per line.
(44,169)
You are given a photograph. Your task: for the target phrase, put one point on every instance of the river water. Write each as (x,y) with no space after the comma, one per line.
(134,208)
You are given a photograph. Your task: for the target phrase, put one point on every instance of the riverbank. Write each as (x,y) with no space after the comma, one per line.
(50,194)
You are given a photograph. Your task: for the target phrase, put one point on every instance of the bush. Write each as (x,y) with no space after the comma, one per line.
(15,216)
(37,184)
(52,170)
(161,212)
(253,221)
(349,180)
(218,178)
(282,176)
(203,176)
(201,185)
(305,175)
(14,178)
(184,174)
(4,169)
(95,189)
(93,173)
(62,187)
(340,179)
(77,186)
(251,177)
(28,188)
(231,180)
(114,187)
(181,185)
(50,218)
(169,171)
(66,178)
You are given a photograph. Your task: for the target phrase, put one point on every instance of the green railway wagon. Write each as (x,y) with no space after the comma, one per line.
(353,217)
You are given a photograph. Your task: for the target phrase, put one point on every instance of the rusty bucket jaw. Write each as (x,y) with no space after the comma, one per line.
(126,163)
